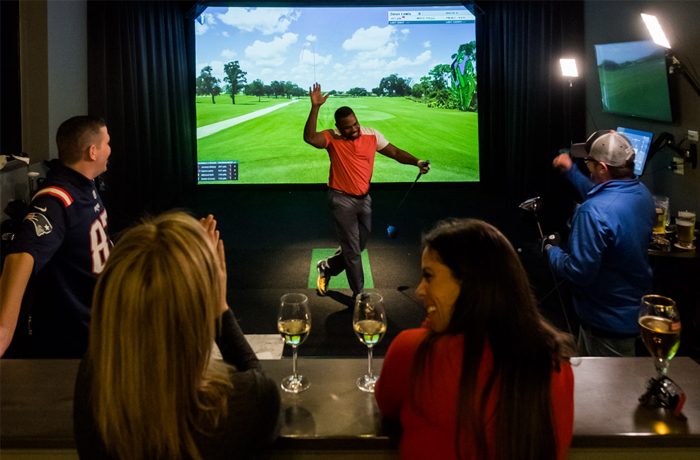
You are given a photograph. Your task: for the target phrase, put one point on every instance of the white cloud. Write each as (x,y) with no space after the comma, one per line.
(405,31)
(370,39)
(371,64)
(207,21)
(422,58)
(384,51)
(339,68)
(224,33)
(402,62)
(266,20)
(426,44)
(217,69)
(271,54)
(308,58)
(228,54)
(311,38)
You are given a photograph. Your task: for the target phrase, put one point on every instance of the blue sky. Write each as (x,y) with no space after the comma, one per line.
(350,46)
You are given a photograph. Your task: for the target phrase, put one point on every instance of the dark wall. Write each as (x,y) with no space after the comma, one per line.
(611,22)
(10,109)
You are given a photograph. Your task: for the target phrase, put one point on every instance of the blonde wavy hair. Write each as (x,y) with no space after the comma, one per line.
(154,318)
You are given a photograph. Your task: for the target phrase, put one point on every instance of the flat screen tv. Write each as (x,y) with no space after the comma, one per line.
(634,79)
(641,141)
(408,71)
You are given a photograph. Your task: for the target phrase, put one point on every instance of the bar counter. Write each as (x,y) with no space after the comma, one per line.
(333,419)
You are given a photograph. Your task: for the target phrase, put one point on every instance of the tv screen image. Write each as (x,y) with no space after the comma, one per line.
(634,79)
(641,141)
(407,71)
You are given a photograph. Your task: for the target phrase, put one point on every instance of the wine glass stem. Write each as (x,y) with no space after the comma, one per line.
(294,362)
(369,363)
(661,366)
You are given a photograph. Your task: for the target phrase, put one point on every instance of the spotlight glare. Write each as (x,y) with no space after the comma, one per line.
(568,67)
(657,33)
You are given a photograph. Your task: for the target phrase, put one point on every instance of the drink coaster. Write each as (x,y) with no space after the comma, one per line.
(691,248)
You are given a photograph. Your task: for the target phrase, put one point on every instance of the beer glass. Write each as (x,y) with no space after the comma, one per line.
(685,227)
(369,324)
(294,324)
(661,205)
(661,329)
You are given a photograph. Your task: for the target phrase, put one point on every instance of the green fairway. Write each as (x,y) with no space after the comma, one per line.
(208,113)
(270,149)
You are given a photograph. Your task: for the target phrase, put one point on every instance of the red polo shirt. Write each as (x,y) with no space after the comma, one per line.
(352,161)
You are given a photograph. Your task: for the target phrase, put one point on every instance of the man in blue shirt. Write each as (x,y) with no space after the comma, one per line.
(607,260)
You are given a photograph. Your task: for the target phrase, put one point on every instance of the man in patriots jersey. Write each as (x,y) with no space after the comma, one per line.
(62,245)
(351,150)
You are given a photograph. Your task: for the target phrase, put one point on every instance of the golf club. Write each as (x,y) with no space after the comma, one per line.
(391,230)
(532,206)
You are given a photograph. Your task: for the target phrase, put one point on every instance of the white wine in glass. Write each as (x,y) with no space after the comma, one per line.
(294,324)
(661,329)
(369,324)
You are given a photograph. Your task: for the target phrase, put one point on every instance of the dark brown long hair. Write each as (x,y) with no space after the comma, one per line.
(496,304)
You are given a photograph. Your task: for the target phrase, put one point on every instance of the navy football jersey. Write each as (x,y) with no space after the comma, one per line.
(65,231)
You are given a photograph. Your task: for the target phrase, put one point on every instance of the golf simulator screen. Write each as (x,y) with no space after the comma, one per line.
(407,71)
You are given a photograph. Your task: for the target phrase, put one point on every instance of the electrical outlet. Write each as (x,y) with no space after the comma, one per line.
(678,166)
(692,135)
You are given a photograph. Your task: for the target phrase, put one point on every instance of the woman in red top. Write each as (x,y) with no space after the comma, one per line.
(485,377)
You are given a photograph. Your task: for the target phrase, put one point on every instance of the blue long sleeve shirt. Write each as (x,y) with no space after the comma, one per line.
(608,261)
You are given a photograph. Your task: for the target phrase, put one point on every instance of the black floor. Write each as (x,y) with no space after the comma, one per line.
(269,236)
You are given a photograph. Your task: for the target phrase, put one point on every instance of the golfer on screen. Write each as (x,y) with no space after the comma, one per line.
(351,150)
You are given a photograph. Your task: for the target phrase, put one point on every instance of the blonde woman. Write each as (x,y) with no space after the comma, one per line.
(148,387)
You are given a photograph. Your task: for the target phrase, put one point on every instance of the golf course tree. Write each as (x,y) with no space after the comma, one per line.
(208,84)
(257,88)
(288,88)
(235,78)
(357,92)
(440,76)
(420,90)
(277,88)
(393,85)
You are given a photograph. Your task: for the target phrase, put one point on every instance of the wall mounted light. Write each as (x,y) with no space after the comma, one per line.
(657,33)
(569,70)
(568,67)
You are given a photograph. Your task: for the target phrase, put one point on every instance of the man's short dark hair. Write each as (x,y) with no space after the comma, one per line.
(75,135)
(343,112)
(622,172)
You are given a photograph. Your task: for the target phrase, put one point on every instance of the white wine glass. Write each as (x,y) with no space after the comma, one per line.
(294,324)
(369,324)
(661,329)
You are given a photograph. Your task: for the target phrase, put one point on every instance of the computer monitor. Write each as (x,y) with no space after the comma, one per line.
(640,142)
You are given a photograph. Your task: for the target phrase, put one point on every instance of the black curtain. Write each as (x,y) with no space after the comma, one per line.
(11,108)
(140,82)
(524,101)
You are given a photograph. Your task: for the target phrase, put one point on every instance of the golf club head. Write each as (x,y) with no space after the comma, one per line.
(532,205)
(392,232)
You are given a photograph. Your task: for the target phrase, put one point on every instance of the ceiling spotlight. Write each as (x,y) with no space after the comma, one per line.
(568,67)
(657,33)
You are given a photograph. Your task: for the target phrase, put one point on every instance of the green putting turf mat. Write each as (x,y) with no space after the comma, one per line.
(340,281)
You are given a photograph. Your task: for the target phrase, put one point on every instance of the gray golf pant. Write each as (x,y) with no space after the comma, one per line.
(353,224)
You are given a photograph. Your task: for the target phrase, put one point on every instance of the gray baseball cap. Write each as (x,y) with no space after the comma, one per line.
(606,146)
